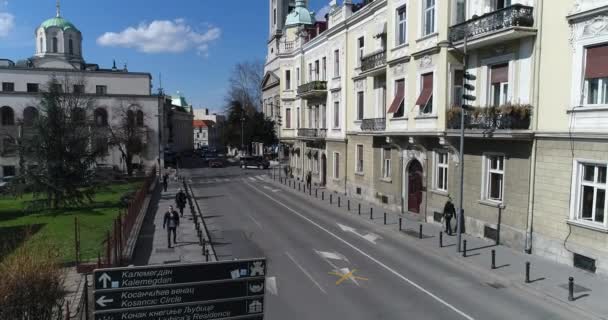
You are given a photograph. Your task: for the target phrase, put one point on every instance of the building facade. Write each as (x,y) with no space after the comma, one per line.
(59,55)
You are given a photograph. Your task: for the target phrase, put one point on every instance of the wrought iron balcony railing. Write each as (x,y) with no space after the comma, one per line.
(516,15)
(312,133)
(377,124)
(315,88)
(507,117)
(373,61)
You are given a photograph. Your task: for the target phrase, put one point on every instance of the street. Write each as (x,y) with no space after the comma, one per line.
(325,263)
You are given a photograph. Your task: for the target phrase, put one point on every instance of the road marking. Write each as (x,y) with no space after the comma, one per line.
(305,272)
(255,221)
(252,178)
(261,178)
(271,285)
(378,262)
(271,189)
(371,237)
(331,255)
(344,274)
(226,180)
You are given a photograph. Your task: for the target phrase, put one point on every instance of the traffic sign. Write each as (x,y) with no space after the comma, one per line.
(226,309)
(132,277)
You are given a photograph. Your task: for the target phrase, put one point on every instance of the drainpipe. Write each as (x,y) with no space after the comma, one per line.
(532,176)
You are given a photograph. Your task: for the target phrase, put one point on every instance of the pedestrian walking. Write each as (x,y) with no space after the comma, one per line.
(171,222)
(180,200)
(309,180)
(165,181)
(448,212)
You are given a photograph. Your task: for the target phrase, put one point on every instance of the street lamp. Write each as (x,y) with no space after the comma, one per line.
(242,133)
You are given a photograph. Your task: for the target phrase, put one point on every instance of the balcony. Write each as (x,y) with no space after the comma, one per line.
(373,61)
(312,133)
(515,21)
(313,89)
(505,117)
(377,124)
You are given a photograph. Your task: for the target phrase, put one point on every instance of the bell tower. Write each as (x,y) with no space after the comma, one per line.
(278,11)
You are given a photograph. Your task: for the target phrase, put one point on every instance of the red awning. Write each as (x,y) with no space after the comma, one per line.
(399,97)
(500,73)
(427,89)
(597,62)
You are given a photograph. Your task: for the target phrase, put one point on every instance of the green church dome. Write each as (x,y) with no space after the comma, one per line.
(58,22)
(300,15)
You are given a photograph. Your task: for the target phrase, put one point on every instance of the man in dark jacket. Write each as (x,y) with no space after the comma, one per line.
(165,181)
(180,200)
(171,222)
(309,180)
(448,212)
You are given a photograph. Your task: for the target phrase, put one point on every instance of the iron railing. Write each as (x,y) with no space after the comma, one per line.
(312,133)
(490,118)
(516,15)
(316,86)
(376,124)
(373,61)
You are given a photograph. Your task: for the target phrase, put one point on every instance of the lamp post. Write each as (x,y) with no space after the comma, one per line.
(242,133)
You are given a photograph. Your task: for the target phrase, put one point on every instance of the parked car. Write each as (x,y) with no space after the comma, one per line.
(5,183)
(217,163)
(254,162)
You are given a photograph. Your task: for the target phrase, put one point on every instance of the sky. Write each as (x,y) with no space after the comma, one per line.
(193,44)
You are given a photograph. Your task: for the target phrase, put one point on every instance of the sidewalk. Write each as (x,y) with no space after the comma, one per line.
(153,238)
(548,280)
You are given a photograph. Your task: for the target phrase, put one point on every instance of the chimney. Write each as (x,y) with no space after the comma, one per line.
(206,111)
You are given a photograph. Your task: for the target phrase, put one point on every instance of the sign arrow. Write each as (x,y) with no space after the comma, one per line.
(371,237)
(102,301)
(105,279)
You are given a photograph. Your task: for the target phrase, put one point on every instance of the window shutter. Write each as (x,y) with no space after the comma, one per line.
(500,73)
(597,62)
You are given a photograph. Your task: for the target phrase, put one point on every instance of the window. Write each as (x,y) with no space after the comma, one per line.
(425,100)
(397,107)
(360,101)
(500,4)
(324,69)
(323,116)
(336,165)
(460,11)
(457,87)
(596,75)
(55,45)
(380,91)
(9,147)
(386,163)
(336,63)
(8,171)
(494,177)
(8,116)
(591,193)
(359,159)
(499,84)
(441,171)
(310,72)
(101,90)
(71,46)
(101,117)
(78,88)
(317,70)
(287,80)
(428,17)
(336,115)
(274,16)
(8,86)
(401,26)
(298,118)
(361,49)
(41,46)
(139,118)
(101,146)
(33,87)
(298,77)
(57,87)
(30,114)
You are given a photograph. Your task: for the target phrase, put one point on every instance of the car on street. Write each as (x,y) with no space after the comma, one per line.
(254,162)
(216,163)
(5,183)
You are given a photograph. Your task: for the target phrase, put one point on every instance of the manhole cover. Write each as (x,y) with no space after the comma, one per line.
(577,288)
(496,285)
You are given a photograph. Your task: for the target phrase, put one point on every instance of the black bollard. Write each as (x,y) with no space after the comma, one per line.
(493,259)
(310,191)
(348,204)
(331,198)
(338,201)
(399,224)
(359,209)
(371,213)
(527,271)
(206,255)
(464,248)
(316,193)
(385,218)
(322,195)
(440,239)
(571,289)
(420,233)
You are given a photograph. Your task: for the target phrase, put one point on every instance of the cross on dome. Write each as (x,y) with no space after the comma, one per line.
(58,5)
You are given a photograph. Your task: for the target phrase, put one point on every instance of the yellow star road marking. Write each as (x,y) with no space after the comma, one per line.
(350,275)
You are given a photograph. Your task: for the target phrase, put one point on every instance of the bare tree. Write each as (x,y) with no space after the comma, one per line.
(128,132)
(244,85)
(58,160)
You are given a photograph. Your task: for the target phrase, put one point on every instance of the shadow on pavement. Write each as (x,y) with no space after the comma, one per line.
(145,242)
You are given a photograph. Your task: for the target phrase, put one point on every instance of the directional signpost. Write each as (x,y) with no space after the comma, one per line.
(218,290)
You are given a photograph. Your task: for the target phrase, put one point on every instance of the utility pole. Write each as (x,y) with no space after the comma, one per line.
(459,219)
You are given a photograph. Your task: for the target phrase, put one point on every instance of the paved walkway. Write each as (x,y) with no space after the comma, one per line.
(548,279)
(152,244)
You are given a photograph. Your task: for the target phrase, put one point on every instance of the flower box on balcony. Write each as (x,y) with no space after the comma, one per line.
(505,117)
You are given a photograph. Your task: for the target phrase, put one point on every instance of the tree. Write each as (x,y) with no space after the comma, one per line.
(248,126)
(127,132)
(244,85)
(58,158)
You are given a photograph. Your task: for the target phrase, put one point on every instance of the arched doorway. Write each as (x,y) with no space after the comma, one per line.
(323,170)
(414,186)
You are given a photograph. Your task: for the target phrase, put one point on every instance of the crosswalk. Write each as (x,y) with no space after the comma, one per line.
(211,180)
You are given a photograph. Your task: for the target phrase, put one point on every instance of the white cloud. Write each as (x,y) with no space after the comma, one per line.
(162,36)
(320,15)
(7,23)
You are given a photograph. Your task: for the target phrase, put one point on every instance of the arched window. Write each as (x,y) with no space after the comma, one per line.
(71,46)
(30,114)
(140,118)
(41,46)
(101,117)
(130,118)
(54,44)
(8,116)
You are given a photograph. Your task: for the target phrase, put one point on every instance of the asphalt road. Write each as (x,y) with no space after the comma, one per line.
(323,269)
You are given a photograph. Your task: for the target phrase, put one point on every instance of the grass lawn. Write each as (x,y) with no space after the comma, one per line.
(57,226)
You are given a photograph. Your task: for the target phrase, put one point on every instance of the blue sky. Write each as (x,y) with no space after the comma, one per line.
(192,43)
